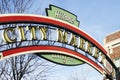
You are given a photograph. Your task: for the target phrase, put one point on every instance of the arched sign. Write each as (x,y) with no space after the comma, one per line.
(54,38)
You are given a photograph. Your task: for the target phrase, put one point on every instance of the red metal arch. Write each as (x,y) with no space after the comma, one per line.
(47,20)
(40,49)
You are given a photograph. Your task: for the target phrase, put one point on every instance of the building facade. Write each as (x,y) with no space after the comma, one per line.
(112,45)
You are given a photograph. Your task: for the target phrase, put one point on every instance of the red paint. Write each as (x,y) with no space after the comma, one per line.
(46,20)
(52,48)
(61,24)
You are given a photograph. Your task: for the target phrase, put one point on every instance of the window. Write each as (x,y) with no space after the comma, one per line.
(111,51)
(117,62)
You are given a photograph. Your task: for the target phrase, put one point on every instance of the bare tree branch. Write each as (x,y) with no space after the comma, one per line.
(15,6)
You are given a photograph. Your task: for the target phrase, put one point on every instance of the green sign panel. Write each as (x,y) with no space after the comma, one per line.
(61,59)
(62,14)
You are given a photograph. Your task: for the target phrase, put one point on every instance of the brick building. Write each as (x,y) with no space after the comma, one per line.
(112,45)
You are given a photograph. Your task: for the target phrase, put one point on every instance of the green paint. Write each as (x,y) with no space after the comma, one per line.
(62,14)
(62,59)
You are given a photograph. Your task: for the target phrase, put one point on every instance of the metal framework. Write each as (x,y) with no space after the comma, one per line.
(50,45)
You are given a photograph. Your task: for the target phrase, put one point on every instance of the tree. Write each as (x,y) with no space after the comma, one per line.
(23,67)
(15,6)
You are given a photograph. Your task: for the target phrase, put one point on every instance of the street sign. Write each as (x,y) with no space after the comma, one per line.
(61,59)
(62,14)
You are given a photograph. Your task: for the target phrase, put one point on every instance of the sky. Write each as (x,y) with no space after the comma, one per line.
(97,17)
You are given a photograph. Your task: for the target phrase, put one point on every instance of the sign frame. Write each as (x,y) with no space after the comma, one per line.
(23,18)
